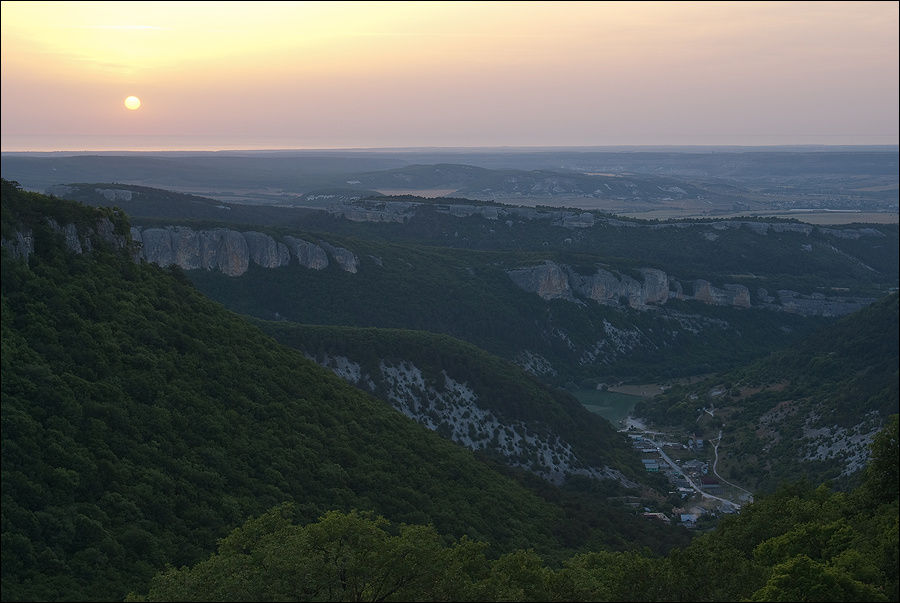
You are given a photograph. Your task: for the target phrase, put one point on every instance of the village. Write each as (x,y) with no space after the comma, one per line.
(702,495)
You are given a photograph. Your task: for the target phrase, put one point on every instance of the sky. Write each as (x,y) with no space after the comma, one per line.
(236,75)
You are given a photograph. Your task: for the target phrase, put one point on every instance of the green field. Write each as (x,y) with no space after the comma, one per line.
(612,406)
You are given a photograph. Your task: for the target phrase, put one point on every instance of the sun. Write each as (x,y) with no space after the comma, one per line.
(133,103)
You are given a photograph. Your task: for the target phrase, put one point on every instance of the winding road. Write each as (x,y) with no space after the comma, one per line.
(716,462)
(665,457)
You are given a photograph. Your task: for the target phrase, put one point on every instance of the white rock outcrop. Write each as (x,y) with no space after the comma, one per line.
(232,252)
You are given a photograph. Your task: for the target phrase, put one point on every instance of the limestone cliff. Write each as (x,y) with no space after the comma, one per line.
(266,251)
(307,254)
(606,286)
(21,244)
(453,408)
(730,295)
(345,258)
(231,252)
(548,280)
(553,281)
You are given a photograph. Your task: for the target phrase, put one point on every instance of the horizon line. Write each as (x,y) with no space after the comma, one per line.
(452,148)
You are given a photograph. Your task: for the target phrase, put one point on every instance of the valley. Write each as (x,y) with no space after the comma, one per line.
(620,383)
(674,453)
(449,301)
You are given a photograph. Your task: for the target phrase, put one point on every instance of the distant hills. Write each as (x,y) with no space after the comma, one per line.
(481,183)
(146,204)
(668,182)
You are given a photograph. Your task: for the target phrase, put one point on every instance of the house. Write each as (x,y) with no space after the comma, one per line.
(710,484)
(695,465)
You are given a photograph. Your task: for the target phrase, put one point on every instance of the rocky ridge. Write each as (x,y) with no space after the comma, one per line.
(228,251)
(231,252)
(376,210)
(21,245)
(651,287)
(386,210)
(451,408)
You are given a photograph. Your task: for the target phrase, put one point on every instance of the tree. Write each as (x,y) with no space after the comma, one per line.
(342,557)
(882,478)
(802,579)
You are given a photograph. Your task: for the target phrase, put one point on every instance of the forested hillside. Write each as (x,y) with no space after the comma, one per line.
(799,544)
(141,422)
(577,297)
(470,396)
(810,409)
(471,296)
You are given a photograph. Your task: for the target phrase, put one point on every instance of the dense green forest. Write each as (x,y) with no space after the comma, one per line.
(141,422)
(798,544)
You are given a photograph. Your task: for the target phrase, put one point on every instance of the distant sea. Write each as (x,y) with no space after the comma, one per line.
(50,143)
(47,143)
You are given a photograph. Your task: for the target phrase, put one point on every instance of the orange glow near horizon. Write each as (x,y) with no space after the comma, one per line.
(457,73)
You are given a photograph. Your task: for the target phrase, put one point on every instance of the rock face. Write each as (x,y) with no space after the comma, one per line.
(548,280)
(345,258)
(731,295)
(231,252)
(21,245)
(605,288)
(219,249)
(655,288)
(817,304)
(552,281)
(453,409)
(266,251)
(307,254)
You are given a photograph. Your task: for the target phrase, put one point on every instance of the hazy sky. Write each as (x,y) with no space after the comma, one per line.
(333,74)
